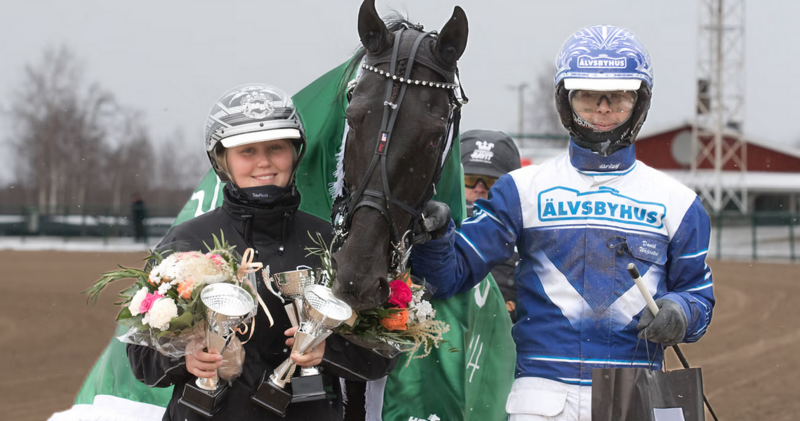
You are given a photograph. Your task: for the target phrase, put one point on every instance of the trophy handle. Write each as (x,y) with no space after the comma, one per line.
(269,281)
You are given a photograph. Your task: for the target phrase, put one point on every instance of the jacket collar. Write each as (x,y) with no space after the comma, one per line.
(590,163)
(264,220)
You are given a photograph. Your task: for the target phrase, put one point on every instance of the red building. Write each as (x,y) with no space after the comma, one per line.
(773,169)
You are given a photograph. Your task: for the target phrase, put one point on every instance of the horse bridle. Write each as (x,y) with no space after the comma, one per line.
(347,203)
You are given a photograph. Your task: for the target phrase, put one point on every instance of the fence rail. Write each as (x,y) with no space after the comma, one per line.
(85,221)
(759,235)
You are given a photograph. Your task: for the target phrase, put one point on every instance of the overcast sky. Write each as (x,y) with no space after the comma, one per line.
(172,59)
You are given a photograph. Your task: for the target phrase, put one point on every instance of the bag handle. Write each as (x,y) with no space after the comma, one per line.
(637,279)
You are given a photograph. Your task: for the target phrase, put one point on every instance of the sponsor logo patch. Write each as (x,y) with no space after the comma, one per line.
(483,153)
(602,62)
(565,204)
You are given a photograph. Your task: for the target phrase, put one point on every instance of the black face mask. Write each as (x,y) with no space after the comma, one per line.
(262,196)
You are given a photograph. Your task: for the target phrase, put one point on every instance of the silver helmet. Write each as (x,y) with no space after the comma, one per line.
(252,113)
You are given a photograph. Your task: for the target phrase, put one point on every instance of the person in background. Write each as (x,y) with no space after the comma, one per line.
(138,213)
(486,155)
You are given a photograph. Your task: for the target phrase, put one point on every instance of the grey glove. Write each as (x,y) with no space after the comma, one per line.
(436,219)
(668,328)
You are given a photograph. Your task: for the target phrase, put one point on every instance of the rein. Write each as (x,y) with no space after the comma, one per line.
(347,203)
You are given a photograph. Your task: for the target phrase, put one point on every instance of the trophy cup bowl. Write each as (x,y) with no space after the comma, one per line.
(293,283)
(321,313)
(227,306)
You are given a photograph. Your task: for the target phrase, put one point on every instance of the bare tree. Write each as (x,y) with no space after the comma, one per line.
(131,161)
(187,170)
(59,129)
(543,116)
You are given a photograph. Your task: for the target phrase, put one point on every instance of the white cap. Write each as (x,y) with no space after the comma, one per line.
(602,84)
(260,136)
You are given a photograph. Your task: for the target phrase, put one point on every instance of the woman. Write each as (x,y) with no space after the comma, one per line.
(255,141)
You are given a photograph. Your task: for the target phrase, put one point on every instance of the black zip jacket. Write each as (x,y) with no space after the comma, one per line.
(278,235)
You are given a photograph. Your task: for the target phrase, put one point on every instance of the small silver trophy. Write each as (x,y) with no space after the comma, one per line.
(291,285)
(321,312)
(227,306)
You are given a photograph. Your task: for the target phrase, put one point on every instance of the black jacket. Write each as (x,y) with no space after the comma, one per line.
(278,235)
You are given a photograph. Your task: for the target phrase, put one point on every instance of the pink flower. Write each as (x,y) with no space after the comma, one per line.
(216,259)
(401,293)
(148,301)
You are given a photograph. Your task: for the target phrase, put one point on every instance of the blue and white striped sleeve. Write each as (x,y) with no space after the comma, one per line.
(689,280)
(462,258)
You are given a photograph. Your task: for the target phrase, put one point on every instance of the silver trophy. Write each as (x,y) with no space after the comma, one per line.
(320,313)
(227,306)
(291,285)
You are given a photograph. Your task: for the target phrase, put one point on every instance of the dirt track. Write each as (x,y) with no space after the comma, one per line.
(749,356)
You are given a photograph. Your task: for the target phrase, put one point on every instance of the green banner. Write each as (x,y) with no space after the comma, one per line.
(467,378)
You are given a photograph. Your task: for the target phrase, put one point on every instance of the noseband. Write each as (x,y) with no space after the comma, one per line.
(347,203)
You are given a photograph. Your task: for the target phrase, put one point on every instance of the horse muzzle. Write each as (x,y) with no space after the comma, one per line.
(361,294)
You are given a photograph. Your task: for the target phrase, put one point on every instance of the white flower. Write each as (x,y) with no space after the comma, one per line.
(163,288)
(136,302)
(174,273)
(154,278)
(213,279)
(423,310)
(417,295)
(161,313)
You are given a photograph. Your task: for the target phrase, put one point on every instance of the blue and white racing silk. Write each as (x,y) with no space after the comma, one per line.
(577,221)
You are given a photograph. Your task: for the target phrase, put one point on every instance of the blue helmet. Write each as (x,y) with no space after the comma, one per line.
(603,58)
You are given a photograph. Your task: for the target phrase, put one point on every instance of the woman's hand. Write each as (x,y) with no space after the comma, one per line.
(200,363)
(312,356)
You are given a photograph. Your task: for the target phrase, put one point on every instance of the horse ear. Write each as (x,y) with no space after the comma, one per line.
(371,29)
(452,40)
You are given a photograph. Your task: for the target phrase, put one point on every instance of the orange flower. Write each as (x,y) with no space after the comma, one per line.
(396,321)
(185,289)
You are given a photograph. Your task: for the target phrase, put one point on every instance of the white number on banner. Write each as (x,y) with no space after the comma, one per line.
(200,197)
(475,345)
(480,300)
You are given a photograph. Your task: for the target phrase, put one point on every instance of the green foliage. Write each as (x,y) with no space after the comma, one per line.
(113,276)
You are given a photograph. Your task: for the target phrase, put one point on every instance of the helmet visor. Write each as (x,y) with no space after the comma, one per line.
(602,110)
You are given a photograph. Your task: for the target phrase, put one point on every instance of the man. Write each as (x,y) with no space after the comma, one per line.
(578,221)
(139,213)
(486,155)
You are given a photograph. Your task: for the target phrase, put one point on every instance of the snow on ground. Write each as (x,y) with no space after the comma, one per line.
(88,244)
(772,243)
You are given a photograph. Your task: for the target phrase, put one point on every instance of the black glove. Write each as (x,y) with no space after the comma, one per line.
(436,218)
(668,328)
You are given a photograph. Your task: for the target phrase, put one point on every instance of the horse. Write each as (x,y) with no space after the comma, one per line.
(401,119)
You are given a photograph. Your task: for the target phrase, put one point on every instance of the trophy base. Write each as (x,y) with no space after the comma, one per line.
(308,388)
(272,397)
(205,402)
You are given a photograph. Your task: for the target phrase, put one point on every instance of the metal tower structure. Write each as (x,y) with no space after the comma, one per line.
(718,144)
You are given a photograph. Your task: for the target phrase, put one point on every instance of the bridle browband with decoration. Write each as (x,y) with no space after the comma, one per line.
(347,203)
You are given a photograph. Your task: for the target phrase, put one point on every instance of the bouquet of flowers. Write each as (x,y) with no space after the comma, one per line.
(163,306)
(405,323)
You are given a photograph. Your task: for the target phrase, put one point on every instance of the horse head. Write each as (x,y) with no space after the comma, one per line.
(401,119)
